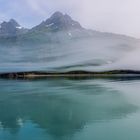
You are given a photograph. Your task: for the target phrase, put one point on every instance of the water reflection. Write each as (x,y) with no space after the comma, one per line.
(60,107)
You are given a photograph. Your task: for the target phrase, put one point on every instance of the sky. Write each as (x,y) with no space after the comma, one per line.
(117,16)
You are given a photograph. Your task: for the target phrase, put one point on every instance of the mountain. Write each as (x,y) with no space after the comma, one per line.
(58,22)
(61,27)
(61,44)
(58,28)
(11,29)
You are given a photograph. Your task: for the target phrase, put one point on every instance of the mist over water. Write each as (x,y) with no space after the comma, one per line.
(89,54)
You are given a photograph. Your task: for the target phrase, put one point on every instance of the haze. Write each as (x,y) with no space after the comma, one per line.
(118,16)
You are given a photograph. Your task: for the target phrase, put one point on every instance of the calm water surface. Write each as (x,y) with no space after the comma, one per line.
(68,109)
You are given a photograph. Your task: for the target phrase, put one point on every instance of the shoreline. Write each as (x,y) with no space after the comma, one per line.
(37,74)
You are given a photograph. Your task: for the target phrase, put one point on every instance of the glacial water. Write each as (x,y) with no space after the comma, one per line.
(70,109)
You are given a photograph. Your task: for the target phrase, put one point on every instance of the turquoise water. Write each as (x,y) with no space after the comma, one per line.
(70,109)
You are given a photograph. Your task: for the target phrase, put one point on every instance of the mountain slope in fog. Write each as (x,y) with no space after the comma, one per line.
(62,44)
(61,27)
(56,27)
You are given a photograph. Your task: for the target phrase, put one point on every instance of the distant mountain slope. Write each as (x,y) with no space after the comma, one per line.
(11,29)
(62,44)
(58,22)
(56,28)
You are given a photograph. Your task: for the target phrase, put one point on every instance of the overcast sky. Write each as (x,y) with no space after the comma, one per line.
(119,16)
